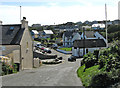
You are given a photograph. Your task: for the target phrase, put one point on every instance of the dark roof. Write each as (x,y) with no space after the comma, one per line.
(68,33)
(11,34)
(89,34)
(89,43)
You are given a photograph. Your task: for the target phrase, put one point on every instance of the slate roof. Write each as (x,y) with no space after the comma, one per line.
(89,43)
(11,34)
(68,33)
(89,34)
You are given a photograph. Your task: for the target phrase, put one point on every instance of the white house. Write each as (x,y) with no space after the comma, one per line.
(90,42)
(47,33)
(35,34)
(69,37)
(98,26)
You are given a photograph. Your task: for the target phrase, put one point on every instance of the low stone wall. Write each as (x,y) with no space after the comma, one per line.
(43,56)
(65,52)
(0,68)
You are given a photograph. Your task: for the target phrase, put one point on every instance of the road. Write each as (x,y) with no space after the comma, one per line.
(63,74)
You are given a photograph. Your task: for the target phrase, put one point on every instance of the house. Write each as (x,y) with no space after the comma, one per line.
(35,34)
(36,25)
(86,27)
(98,26)
(88,42)
(69,37)
(47,33)
(17,44)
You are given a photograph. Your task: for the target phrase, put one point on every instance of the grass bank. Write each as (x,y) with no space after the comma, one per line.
(86,76)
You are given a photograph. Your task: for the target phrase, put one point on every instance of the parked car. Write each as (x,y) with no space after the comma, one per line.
(72,58)
(54,46)
(42,48)
(47,50)
(60,58)
(38,46)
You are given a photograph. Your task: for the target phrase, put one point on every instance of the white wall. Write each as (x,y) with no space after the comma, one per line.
(79,52)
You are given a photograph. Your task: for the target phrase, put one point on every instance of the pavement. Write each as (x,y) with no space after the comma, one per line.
(63,74)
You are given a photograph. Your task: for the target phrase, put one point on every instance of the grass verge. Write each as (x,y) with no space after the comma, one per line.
(86,76)
(66,49)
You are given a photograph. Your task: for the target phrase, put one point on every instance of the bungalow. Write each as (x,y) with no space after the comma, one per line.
(35,34)
(47,33)
(90,42)
(17,44)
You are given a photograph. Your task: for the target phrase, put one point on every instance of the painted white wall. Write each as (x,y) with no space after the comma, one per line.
(76,36)
(79,52)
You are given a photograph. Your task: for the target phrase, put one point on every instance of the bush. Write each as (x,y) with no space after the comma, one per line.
(8,69)
(101,79)
(89,60)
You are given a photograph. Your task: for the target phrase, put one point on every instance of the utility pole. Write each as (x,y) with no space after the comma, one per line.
(20,14)
(106,24)
(83,41)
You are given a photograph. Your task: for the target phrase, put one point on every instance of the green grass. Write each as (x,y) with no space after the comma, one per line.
(66,49)
(88,74)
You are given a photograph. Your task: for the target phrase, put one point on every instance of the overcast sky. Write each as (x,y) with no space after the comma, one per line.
(48,12)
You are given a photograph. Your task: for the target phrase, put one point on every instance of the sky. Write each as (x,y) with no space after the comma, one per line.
(50,12)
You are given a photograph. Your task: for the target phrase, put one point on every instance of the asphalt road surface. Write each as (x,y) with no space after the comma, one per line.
(63,74)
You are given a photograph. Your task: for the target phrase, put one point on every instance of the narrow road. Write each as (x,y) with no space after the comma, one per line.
(63,74)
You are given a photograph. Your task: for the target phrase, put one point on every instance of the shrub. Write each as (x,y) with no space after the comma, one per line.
(8,69)
(101,79)
(89,60)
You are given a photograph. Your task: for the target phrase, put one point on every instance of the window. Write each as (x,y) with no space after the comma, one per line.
(27,45)
(11,28)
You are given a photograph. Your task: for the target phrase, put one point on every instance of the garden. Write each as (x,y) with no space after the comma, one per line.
(101,68)
(66,49)
(7,67)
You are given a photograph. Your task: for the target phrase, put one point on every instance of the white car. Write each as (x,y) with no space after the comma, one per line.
(47,50)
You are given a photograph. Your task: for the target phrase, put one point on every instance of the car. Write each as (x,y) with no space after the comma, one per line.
(42,48)
(38,46)
(54,46)
(72,58)
(47,50)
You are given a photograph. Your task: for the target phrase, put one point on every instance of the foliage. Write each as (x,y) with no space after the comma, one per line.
(86,76)
(113,33)
(89,60)
(109,65)
(101,79)
(8,69)
(113,28)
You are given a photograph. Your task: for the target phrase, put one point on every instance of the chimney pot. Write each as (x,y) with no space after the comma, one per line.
(24,18)
(0,22)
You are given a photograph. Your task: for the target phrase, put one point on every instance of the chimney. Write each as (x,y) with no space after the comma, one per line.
(24,23)
(0,22)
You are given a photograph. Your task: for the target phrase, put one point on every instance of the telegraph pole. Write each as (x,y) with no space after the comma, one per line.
(20,13)
(106,24)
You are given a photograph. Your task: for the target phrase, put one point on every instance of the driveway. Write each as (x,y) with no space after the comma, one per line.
(63,74)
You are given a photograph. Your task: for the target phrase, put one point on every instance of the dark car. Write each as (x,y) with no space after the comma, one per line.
(47,50)
(72,58)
